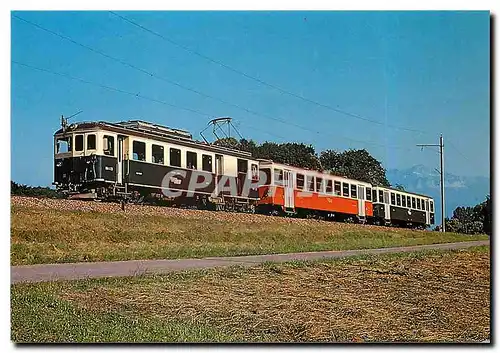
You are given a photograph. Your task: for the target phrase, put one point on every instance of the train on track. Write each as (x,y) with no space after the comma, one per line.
(141,162)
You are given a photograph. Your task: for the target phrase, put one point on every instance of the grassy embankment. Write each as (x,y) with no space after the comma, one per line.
(432,296)
(46,235)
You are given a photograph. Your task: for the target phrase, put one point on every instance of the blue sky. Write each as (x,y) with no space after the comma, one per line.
(426,71)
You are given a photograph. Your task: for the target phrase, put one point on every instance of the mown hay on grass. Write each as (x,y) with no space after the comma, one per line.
(441,297)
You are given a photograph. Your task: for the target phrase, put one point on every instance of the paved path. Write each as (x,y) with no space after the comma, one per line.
(72,271)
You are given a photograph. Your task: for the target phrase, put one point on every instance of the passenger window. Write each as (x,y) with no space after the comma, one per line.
(374,195)
(300,181)
(310,183)
(381,196)
(431,203)
(139,151)
(354,193)
(393,198)
(368,194)
(109,145)
(206,163)
(319,184)
(63,145)
(278,176)
(403,201)
(345,189)
(78,143)
(398,199)
(191,160)
(413,205)
(242,166)
(329,186)
(157,154)
(337,189)
(175,157)
(255,171)
(91,145)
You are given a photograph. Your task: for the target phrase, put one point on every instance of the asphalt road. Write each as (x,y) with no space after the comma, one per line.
(73,271)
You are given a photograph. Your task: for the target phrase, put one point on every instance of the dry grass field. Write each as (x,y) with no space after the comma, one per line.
(51,231)
(433,296)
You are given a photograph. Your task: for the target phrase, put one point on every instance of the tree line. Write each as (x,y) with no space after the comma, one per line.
(354,164)
(471,220)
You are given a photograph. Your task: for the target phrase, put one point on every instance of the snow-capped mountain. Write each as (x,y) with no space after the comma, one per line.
(459,190)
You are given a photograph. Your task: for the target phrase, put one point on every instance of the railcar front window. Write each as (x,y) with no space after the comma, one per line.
(175,157)
(206,163)
(398,199)
(413,204)
(374,195)
(337,188)
(157,154)
(91,142)
(381,196)
(408,201)
(431,203)
(368,194)
(393,198)
(109,145)
(403,201)
(78,143)
(63,144)
(418,204)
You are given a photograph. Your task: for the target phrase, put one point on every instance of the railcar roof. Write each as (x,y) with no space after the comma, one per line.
(161,134)
(403,191)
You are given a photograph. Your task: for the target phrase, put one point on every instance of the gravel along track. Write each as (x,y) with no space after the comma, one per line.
(109,207)
(55,272)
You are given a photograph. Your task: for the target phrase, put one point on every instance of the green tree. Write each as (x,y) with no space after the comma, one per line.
(354,164)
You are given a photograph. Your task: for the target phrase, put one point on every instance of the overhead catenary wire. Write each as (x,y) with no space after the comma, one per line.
(198,92)
(136,95)
(270,85)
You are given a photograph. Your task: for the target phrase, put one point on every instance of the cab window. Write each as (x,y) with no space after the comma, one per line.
(368,194)
(206,163)
(63,145)
(374,195)
(398,199)
(393,198)
(403,200)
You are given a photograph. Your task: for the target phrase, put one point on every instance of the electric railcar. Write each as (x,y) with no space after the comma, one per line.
(134,159)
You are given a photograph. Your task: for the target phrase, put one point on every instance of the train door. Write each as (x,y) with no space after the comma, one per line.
(427,213)
(219,171)
(119,163)
(387,206)
(361,201)
(288,186)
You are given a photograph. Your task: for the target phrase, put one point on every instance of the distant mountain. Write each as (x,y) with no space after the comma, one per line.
(459,190)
